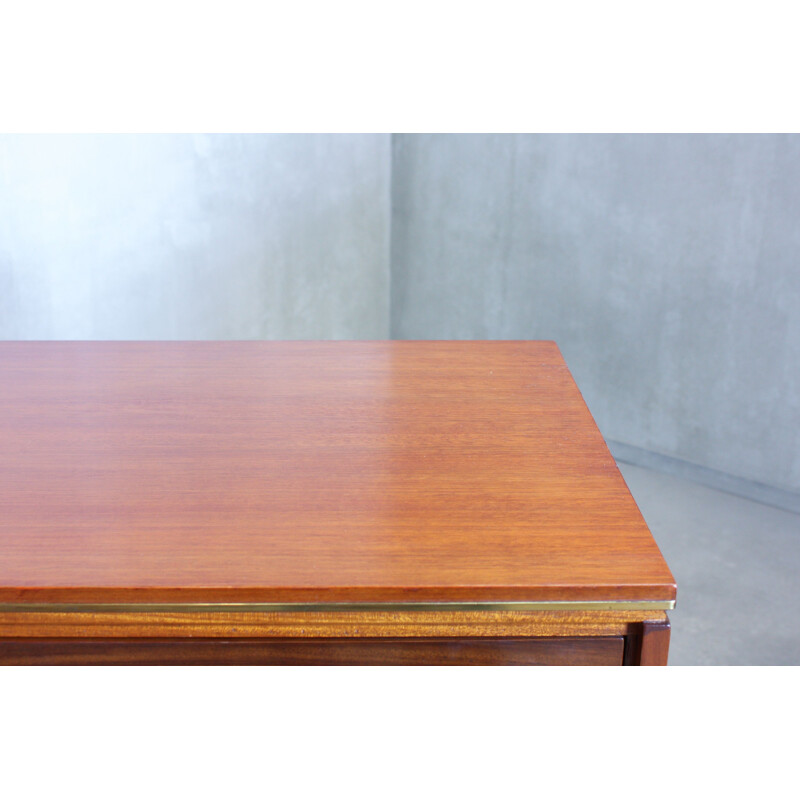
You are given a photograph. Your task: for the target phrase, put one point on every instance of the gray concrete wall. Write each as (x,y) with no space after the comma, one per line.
(667,268)
(194,237)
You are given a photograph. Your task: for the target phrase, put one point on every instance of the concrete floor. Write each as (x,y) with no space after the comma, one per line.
(737,565)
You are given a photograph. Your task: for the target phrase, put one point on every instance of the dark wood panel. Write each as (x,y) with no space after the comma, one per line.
(554,652)
(310,472)
(647,642)
(655,643)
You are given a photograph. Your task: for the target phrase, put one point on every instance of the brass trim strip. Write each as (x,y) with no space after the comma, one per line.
(547,605)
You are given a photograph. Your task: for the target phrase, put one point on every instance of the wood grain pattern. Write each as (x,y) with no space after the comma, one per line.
(362,652)
(309,472)
(326,624)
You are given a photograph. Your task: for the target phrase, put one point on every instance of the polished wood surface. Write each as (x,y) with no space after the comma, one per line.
(327,652)
(309,472)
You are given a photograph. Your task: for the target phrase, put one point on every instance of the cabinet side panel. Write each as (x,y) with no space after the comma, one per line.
(655,643)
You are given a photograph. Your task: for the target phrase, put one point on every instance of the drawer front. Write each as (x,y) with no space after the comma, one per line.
(598,651)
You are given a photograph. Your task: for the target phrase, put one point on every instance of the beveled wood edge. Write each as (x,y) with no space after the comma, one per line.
(335,596)
(545,605)
(324,624)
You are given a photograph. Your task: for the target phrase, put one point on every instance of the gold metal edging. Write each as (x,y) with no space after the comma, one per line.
(269,608)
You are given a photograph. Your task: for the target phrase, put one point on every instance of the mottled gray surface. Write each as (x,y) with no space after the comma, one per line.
(667,268)
(736,563)
(194,237)
(722,481)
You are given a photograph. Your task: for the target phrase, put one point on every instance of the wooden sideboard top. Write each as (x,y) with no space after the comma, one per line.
(310,472)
